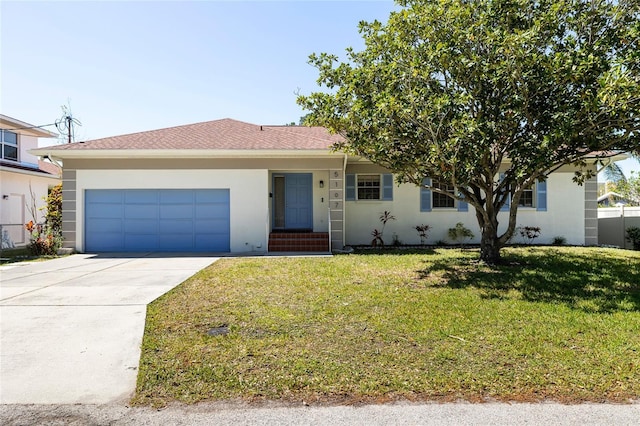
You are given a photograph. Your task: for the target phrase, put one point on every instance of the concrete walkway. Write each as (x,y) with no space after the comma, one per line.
(71,328)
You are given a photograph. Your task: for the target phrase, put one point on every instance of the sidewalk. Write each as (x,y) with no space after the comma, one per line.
(221,414)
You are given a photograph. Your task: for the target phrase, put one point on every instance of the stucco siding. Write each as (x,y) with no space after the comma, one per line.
(565,215)
(248,190)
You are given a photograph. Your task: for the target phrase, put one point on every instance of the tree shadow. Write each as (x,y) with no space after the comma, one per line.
(604,283)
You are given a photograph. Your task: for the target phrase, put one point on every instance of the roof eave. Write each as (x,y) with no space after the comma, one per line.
(20,127)
(187,153)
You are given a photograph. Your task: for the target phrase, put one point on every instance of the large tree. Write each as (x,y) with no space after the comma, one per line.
(486,95)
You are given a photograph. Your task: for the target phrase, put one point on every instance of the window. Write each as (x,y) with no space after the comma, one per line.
(535,196)
(441,200)
(369,187)
(9,141)
(430,199)
(526,199)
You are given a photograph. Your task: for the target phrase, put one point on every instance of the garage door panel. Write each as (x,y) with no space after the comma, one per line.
(107,226)
(140,226)
(206,242)
(104,211)
(176,211)
(104,196)
(176,226)
(212,210)
(110,241)
(177,196)
(141,211)
(157,220)
(176,242)
(212,197)
(138,242)
(140,196)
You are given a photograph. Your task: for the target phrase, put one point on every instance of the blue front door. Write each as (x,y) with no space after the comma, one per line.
(298,211)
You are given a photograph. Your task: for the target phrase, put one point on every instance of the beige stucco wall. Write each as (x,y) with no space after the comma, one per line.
(15,209)
(565,215)
(25,143)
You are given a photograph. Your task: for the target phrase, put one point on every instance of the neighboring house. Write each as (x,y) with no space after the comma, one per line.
(611,199)
(230,186)
(25,180)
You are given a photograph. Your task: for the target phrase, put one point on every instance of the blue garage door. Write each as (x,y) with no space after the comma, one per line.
(169,220)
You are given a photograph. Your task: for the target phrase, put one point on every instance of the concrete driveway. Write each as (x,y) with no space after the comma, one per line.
(71,328)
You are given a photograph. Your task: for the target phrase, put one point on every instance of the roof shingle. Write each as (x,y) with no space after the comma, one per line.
(224,134)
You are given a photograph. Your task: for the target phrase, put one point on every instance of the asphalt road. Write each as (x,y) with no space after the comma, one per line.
(369,415)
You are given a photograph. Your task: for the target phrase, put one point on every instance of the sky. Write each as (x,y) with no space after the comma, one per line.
(130,66)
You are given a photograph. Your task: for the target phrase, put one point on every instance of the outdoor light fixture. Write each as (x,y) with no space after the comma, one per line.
(321,184)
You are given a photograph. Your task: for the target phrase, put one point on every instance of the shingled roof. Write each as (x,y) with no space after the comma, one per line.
(225,134)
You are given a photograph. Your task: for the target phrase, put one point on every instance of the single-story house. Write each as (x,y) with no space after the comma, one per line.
(611,199)
(24,180)
(231,186)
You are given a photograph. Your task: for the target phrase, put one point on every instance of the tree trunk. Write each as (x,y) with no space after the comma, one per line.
(490,245)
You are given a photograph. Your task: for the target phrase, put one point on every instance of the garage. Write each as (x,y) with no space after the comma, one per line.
(167,220)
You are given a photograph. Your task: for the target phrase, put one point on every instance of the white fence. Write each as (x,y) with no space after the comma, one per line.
(613,223)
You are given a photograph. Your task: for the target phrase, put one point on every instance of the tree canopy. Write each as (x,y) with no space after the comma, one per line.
(487,95)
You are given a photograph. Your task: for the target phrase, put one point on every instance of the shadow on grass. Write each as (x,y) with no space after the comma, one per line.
(606,282)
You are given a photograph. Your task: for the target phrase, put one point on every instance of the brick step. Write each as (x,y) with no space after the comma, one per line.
(287,241)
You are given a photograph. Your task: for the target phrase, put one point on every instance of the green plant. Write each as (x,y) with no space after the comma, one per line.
(460,233)
(633,236)
(385,217)
(377,238)
(423,232)
(559,240)
(41,242)
(529,233)
(46,238)
(451,89)
(396,240)
(53,216)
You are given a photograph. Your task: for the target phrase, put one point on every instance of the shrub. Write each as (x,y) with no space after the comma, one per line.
(385,217)
(423,232)
(633,236)
(559,240)
(46,238)
(529,233)
(460,233)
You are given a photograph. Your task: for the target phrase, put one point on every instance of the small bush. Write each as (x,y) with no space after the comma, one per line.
(385,217)
(559,241)
(529,233)
(633,236)
(423,232)
(460,233)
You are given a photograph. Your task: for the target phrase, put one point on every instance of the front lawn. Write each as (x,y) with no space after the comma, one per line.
(556,323)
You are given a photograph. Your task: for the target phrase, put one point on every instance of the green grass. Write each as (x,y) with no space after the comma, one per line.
(21,254)
(553,324)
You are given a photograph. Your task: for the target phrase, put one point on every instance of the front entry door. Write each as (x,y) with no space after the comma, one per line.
(293,201)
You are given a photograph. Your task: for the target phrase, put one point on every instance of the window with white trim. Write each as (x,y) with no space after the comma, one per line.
(430,199)
(369,186)
(9,142)
(527,198)
(440,200)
